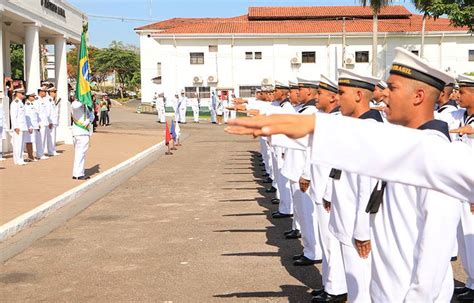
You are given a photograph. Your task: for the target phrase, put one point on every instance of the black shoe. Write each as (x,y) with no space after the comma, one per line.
(295,234)
(325,297)
(466,297)
(275,201)
(279,215)
(271,190)
(454,259)
(265,175)
(288,232)
(460,290)
(297,257)
(81,178)
(303,261)
(317,292)
(268,180)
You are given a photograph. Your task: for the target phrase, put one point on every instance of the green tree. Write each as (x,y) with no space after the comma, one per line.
(125,63)
(459,12)
(16,57)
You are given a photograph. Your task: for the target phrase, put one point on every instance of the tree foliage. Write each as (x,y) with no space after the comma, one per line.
(17,63)
(460,12)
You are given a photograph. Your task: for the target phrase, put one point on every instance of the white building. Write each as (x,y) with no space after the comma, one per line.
(235,54)
(34,23)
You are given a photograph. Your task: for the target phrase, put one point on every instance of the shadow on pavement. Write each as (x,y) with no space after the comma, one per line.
(308,276)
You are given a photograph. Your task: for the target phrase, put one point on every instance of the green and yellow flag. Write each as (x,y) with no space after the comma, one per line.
(83,88)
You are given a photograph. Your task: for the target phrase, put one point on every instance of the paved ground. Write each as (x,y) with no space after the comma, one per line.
(25,187)
(192,227)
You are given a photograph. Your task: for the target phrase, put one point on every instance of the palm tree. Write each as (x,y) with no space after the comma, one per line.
(376,5)
(422,5)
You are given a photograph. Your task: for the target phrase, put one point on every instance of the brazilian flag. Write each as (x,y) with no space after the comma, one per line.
(83,88)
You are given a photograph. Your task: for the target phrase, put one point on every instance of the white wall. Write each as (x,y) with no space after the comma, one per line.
(233,70)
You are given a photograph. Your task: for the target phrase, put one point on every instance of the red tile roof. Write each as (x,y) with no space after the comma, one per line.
(243,24)
(319,12)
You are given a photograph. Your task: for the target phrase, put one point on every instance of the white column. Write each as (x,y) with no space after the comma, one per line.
(3,93)
(60,70)
(7,64)
(32,56)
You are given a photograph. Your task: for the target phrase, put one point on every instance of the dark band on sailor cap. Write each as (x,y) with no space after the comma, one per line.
(408,72)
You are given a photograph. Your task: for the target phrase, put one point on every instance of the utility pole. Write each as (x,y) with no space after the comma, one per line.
(344,42)
(374,44)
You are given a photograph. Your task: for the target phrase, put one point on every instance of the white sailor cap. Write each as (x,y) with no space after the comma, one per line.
(258,90)
(267,88)
(30,93)
(19,90)
(409,65)
(382,84)
(305,83)
(465,81)
(352,79)
(328,84)
(281,85)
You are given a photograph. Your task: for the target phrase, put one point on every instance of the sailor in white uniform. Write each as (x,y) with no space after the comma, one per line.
(55,108)
(195,108)
(175,105)
(333,277)
(19,126)
(226,111)
(43,107)
(182,107)
(351,192)
(213,107)
(32,120)
(160,107)
(82,119)
(463,117)
(233,113)
(283,105)
(294,170)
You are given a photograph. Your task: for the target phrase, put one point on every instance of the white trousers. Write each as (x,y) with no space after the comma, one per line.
(51,140)
(81,145)
(307,218)
(213,115)
(182,116)
(196,114)
(36,136)
(466,243)
(161,115)
(357,272)
(282,184)
(333,276)
(233,114)
(17,144)
(295,224)
(226,115)
(44,138)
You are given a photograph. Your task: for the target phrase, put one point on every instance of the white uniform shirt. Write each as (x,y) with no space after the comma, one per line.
(17,115)
(55,111)
(43,107)
(32,119)
(81,120)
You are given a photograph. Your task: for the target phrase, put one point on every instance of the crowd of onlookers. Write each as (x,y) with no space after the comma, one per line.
(102,105)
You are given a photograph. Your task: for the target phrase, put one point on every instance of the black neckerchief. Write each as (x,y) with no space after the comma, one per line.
(284,101)
(468,119)
(447,105)
(372,114)
(335,110)
(438,125)
(310,103)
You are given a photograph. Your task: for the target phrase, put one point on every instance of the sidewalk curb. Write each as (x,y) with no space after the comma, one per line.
(20,223)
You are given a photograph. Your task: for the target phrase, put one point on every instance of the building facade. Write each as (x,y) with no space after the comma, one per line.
(236,54)
(36,24)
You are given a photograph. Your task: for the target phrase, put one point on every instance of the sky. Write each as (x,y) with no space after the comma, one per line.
(102,32)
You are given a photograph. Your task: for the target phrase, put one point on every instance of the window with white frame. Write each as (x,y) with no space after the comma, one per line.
(362,57)
(308,57)
(196,58)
